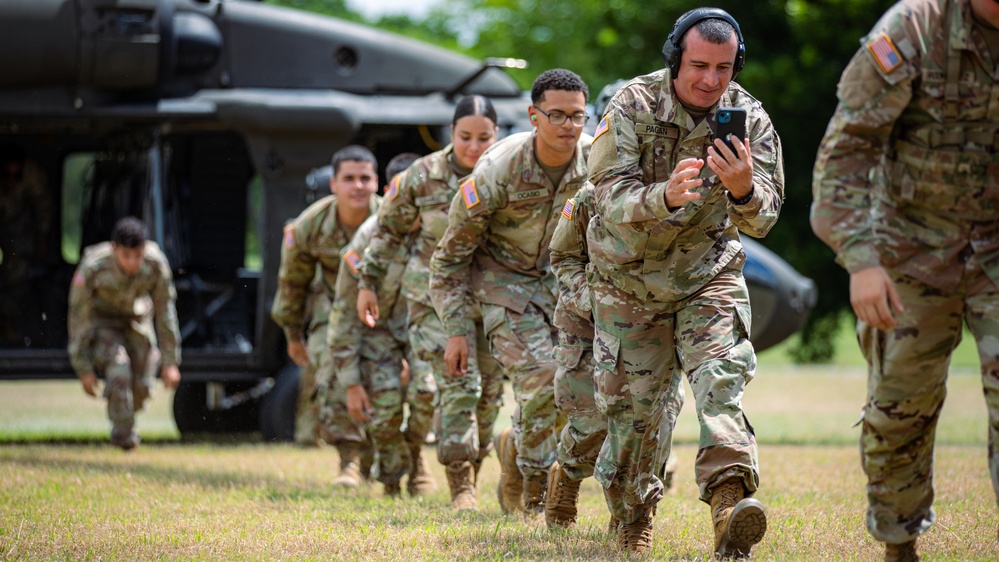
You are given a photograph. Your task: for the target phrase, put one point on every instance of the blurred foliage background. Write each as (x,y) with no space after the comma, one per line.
(795,51)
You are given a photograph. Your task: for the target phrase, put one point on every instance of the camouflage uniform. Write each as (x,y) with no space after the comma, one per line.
(312,241)
(468,405)
(372,357)
(668,292)
(586,426)
(496,246)
(906,178)
(26,212)
(111,317)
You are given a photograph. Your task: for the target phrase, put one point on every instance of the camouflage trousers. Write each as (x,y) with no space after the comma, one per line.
(468,405)
(128,361)
(907,378)
(381,376)
(523,345)
(307,407)
(586,426)
(639,348)
(331,398)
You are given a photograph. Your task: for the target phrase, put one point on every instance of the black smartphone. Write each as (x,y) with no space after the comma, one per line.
(730,120)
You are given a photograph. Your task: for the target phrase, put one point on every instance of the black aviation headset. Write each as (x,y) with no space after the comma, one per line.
(672,50)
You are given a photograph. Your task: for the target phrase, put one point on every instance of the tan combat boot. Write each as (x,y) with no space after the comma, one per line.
(905,552)
(636,537)
(612,526)
(511,483)
(350,471)
(563,493)
(739,522)
(421,481)
(459,479)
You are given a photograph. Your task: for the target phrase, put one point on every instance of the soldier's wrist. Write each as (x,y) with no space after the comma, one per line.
(742,200)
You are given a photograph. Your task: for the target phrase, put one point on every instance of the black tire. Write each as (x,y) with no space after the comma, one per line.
(277,411)
(191,413)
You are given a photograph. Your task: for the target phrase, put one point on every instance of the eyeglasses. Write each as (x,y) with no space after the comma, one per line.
(558,119)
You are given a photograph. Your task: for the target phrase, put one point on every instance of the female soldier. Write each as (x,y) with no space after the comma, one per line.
(469,403)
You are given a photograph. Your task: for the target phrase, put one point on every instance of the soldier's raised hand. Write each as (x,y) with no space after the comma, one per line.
(734,169)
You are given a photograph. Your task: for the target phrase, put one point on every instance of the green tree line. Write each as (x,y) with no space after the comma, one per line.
(795,52)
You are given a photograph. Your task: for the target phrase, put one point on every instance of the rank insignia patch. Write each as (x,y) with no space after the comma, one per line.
(602,128)
(885,53)
(353,261)
(469,193)
(570,206)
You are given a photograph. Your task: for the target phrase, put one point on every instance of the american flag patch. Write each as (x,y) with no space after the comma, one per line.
(78,279)
(289,236)
(602,128)
(885,53)
(353,261)
(570,206)
(394,189)
(469,193)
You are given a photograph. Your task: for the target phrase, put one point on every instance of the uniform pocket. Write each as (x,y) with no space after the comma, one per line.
(568,357)
(606,349)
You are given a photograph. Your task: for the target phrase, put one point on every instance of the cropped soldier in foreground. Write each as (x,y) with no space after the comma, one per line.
(666,277)
(312,243)
(496,248)
(469,403)
(119,289)
(906,192)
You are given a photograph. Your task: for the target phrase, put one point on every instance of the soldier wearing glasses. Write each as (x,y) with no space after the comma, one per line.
(496,247)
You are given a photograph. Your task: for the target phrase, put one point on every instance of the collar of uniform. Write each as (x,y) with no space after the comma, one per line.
(438,164)
(670,110)
(532,172)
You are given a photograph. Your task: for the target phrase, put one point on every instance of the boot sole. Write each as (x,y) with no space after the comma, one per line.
(746,527)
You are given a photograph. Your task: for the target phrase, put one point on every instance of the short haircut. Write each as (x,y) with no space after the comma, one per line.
(475,105)
(557,79)
(399,163)
(352,153)
(713,30)
(129,232)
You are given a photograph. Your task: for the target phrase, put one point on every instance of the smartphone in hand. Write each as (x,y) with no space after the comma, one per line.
(730,120)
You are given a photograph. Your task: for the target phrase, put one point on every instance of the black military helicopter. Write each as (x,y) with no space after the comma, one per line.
(205,117)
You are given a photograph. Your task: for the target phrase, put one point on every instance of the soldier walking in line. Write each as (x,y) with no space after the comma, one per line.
(119,290)
(311,243)
(586,427)
(468,404)
(666,277)
(496,249)
(906,192)
(369,359)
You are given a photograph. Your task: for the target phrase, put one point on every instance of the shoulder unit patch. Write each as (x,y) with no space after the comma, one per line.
(602,128)
(469,193)
(289,236)
(394,188)
(885,53)
(570,206)
(353,262)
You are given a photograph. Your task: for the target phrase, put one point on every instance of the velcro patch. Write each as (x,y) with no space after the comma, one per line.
(528,195)
(353,262)
(885,53)
(569,207)
(602,128)
(427,200)
(656,130)
(469,193)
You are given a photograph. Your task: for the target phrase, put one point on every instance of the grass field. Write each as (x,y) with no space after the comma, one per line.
(80,499)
